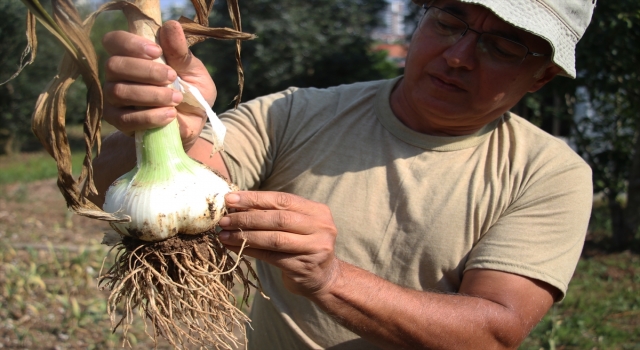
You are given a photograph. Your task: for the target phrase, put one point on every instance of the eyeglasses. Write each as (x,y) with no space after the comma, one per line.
(493,50)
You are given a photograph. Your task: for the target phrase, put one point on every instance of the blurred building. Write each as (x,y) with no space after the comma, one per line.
(391,36)
(393,29)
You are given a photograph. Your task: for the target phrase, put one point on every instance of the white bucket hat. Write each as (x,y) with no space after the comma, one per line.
(560,22)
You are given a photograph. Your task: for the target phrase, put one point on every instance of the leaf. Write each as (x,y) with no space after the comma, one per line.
(48,120)
(195,30)
(32,46)
(45,19)
(203,9)
(234,12)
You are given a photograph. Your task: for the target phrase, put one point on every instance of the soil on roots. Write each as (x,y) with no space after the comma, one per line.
(181,287)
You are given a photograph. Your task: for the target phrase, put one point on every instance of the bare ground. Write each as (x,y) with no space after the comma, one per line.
(48,305)
(36,214)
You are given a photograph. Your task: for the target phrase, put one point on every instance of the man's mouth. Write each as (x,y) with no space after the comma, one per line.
(447,83)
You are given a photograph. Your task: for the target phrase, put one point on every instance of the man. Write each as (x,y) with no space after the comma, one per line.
(411,213)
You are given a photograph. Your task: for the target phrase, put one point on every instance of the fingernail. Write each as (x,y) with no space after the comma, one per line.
(172,75)
(224,235)
(171,113)
(224,221)
(152,50)
(176,97)
(232,198)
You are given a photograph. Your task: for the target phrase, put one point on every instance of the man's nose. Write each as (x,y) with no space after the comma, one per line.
(462,54)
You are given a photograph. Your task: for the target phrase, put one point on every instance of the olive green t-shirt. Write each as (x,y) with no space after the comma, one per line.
(414,209)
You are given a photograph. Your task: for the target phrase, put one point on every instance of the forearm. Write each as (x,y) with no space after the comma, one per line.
(398,318)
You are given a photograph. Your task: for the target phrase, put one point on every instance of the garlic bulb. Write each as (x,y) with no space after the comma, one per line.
(167,193)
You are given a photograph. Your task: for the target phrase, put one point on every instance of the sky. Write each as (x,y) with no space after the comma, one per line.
(168,3)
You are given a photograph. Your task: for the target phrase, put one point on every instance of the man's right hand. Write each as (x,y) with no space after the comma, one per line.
(136,92)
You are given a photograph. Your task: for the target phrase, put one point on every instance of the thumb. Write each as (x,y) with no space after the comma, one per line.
(178,56)
(175,49)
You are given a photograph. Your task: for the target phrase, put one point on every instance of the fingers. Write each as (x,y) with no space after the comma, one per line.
(133,79)
(136,92)
(277,221)
(121,43)
(304,271)
(129,120)
(274,241)
(292,233)
(122,68)
(132,94)
(176,50)
(188,67)
(267,220)
(243,200)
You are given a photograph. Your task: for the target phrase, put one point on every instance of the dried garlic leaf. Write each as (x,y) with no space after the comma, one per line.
(203,9)
(234,12)
(193,29)
(48,120)
(30,50)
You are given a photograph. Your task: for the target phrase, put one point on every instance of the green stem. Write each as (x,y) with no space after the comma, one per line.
(159,150)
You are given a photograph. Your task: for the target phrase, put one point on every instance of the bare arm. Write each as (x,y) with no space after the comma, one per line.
(493,310)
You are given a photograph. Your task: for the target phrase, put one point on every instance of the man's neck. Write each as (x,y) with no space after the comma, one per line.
(420,121)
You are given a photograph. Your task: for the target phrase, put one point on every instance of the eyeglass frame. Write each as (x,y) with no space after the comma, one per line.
(529,52)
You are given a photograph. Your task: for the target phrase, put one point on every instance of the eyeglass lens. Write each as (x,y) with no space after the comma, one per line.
(492,49)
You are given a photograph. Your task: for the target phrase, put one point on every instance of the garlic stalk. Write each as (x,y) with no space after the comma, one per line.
(167,193)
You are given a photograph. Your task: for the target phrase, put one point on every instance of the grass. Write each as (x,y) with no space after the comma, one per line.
(601,310)
(32,167)
(28,167)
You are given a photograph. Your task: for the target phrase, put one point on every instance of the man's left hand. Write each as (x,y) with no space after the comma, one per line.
(292,233)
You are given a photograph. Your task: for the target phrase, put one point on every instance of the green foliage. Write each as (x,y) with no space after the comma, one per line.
(18,96)
(32,167)
(607,65)
(609,82)
(300,43)
(600,110)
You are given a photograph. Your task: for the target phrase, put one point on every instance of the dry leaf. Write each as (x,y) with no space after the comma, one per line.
(48,120)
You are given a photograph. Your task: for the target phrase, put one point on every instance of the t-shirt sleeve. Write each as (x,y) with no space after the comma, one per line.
(542,232)
(249,144)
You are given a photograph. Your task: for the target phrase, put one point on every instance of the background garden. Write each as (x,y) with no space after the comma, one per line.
(50,258)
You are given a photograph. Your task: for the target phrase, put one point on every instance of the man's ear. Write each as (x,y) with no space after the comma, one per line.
(545,76)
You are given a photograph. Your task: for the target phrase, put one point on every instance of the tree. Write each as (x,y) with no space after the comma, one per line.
(600,111)
(18,96)
(300,43)
(609,139)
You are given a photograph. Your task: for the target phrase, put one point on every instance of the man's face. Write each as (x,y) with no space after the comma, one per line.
(455,87)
